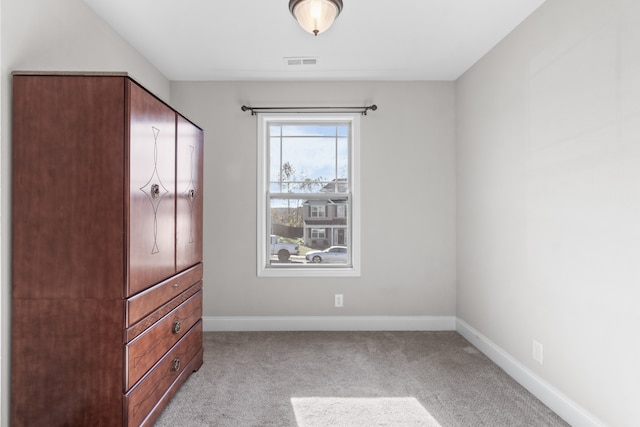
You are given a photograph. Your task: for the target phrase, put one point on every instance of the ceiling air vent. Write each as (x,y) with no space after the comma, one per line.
(300,61)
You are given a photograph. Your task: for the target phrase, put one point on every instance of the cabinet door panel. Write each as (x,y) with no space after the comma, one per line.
(67,187)
(151,190)
(66,362)
(188,194)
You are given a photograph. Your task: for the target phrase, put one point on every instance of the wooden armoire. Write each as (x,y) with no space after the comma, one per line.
(106,251)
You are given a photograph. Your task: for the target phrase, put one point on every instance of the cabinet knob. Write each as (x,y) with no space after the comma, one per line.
(155,191)
(175,365)
(176,327)
(176,286)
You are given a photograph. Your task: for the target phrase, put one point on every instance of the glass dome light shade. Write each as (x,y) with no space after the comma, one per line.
(315,16)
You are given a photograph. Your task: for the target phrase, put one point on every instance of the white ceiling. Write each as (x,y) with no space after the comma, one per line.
(370,40)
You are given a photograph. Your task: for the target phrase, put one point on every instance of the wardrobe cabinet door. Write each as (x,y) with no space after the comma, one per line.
(188,194)
(151,190)
(67,206)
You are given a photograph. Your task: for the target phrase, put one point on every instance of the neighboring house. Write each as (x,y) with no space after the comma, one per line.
(325,221)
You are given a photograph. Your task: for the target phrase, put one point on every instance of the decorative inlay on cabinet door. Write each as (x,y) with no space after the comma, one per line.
(155,190)
(191,192)
(151,166)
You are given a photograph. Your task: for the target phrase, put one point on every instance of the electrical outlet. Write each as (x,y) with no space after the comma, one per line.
(339,301)
(538,352)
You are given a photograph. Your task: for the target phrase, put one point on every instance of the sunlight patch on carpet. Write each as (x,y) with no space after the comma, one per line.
(361,411)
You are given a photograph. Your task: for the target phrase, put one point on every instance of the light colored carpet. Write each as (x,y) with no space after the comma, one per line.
(350,379)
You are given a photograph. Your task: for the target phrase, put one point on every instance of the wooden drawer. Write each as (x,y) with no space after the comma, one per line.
(147,301)
(146,400)
(144,351)
(133,331)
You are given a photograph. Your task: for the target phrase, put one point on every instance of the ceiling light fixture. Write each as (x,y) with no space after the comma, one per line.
(315,16)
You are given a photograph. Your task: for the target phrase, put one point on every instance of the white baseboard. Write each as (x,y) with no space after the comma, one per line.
(547,394)
(330,323)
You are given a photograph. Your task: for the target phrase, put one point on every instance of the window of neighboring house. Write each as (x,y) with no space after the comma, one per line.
(318,211)
(318,233)
(308,194)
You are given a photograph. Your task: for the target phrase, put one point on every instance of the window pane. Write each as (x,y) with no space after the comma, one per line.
(275,130)
(306,232)
(343,130)
(305,159)
(274,156)
(310,158)
(309,130)
(342,159)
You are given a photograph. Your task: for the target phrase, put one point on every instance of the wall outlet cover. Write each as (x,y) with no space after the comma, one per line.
(538,352)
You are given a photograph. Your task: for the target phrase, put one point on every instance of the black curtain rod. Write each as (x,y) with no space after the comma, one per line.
(255,110)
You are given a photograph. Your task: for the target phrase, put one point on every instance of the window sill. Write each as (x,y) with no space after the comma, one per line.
(264,271)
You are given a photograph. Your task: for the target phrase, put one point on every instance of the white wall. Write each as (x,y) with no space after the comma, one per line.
(408,199)
(548,172)
(63,35)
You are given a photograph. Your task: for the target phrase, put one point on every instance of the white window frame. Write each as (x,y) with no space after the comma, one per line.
(264,269)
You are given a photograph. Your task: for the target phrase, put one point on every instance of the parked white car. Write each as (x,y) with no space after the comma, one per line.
(337,254)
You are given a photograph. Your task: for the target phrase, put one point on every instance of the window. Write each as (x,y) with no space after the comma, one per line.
(318,211)
(308,195)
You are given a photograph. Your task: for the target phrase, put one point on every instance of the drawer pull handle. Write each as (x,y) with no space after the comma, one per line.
(176,327)
(175,365)
(176,286)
